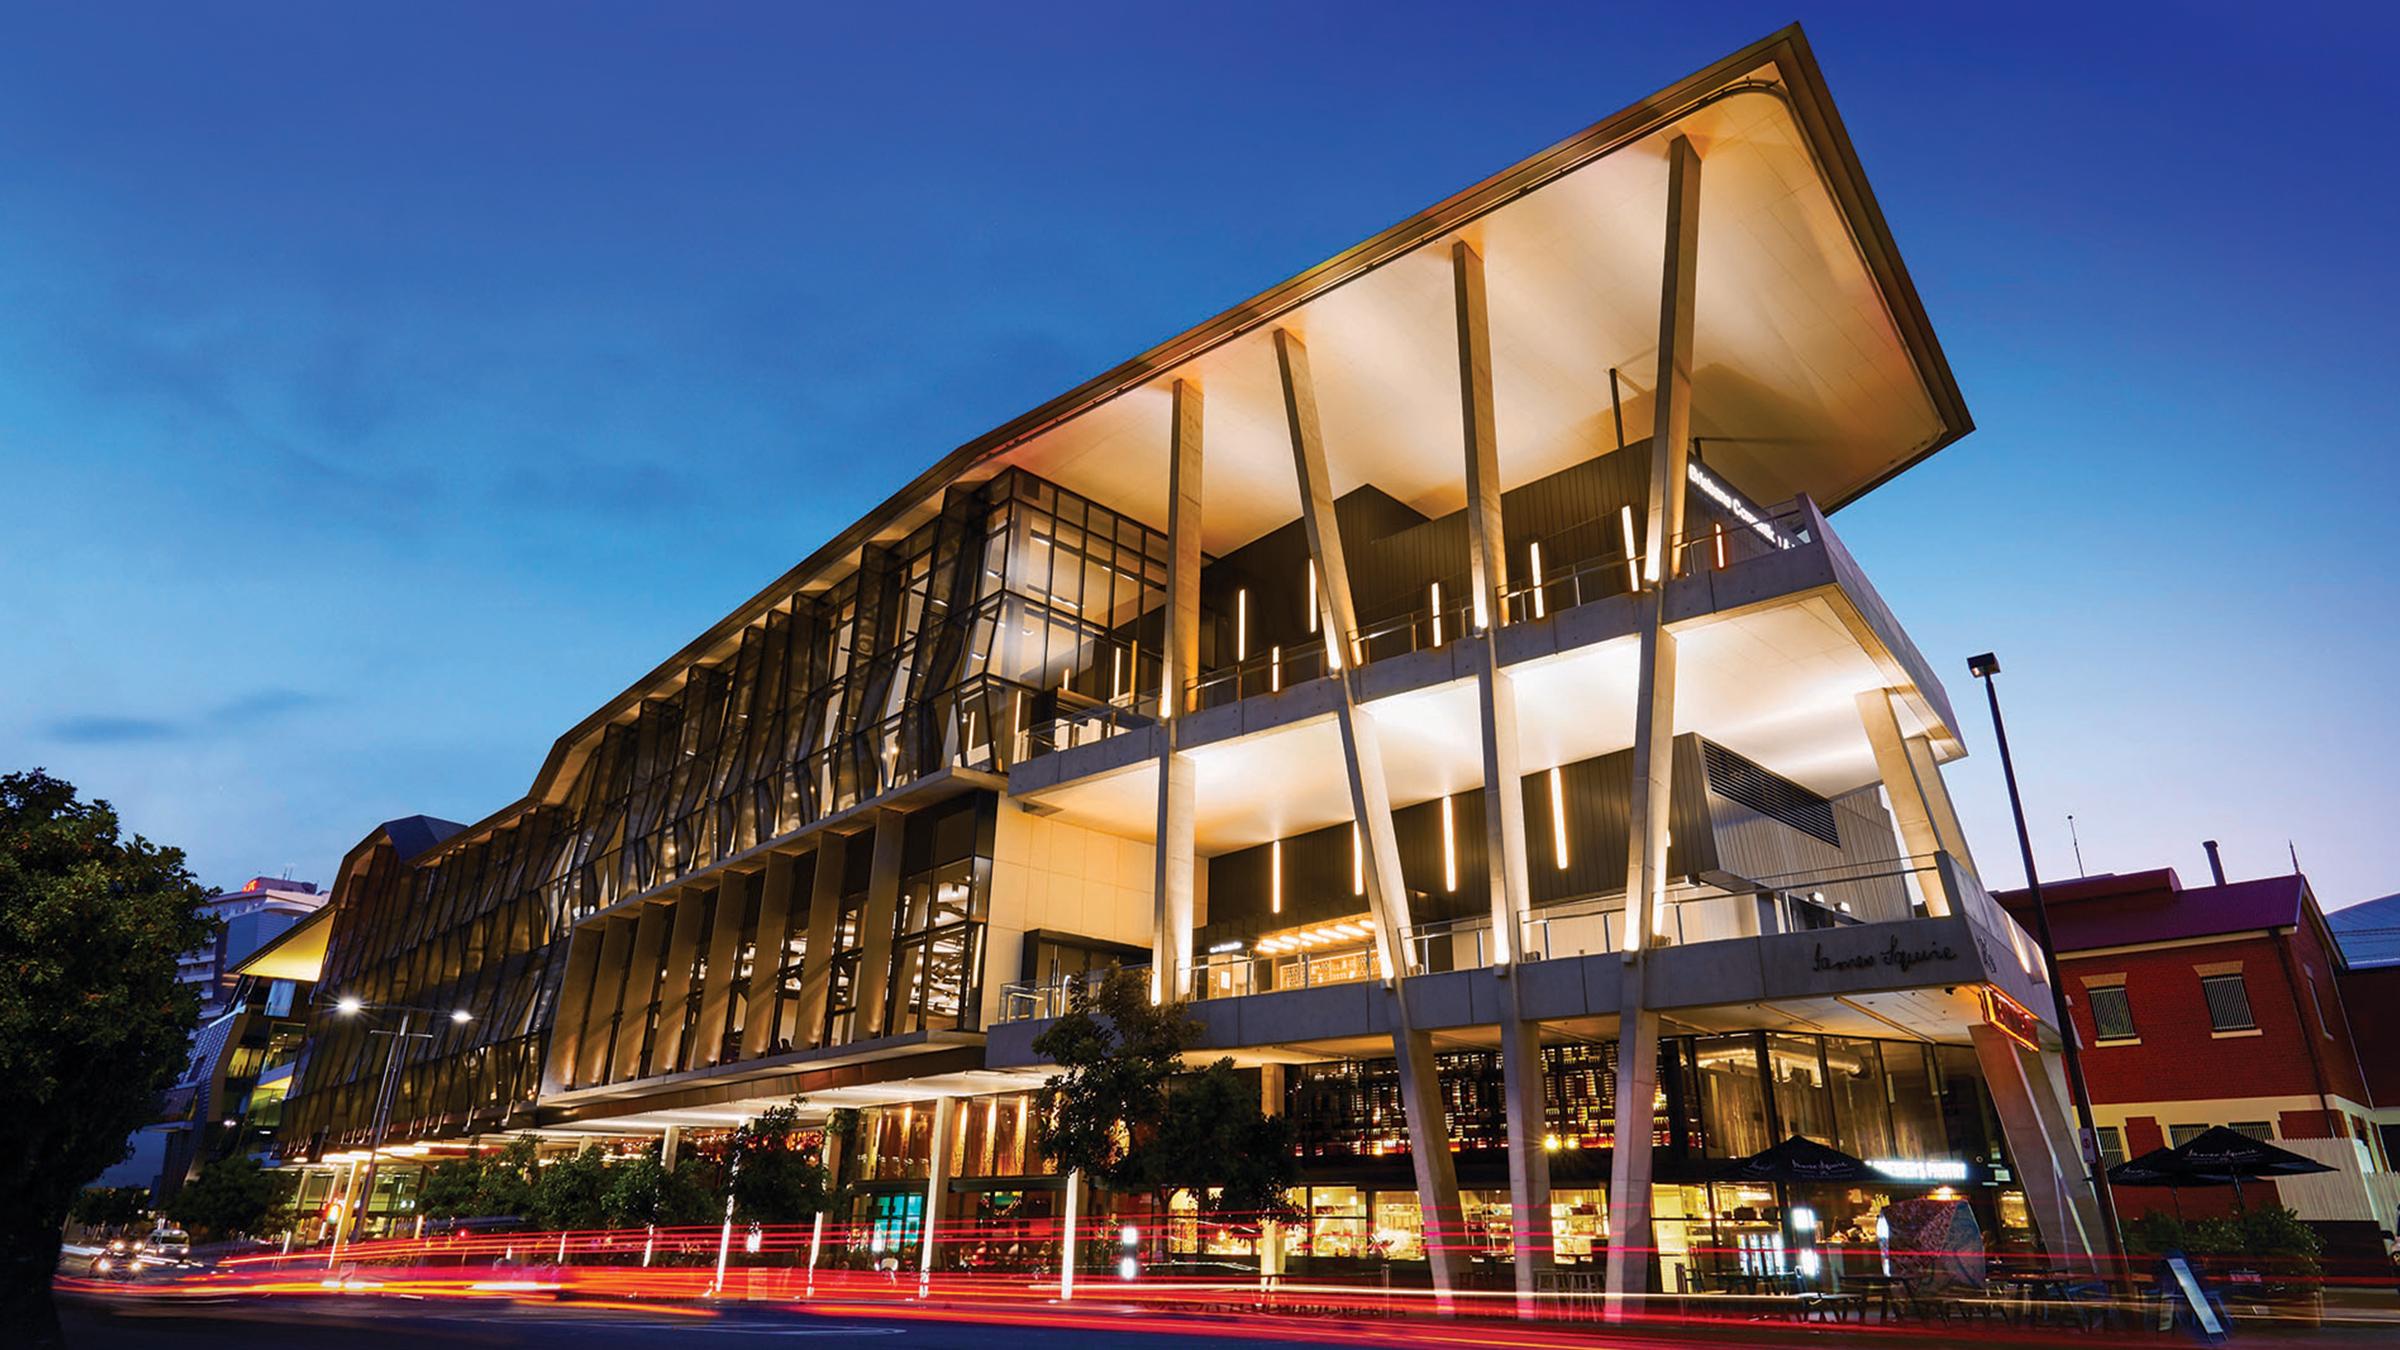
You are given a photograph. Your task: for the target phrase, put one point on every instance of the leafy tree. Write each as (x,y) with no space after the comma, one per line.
(1115,1051)
(232,1196)
(93,1025)
(776,1175)
(449,1189)
(568,1193)
(110,1206)
(647,1191)
(1215,1142)
(505,1185)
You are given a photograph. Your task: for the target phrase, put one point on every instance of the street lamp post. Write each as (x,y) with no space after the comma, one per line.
(1984,667)
(385,1092)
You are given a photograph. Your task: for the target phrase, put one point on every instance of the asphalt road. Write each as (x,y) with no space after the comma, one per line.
(391,1324)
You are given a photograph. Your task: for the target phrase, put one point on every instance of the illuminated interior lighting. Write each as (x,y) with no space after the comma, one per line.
(1358,861)
(1719,531)
(1437,614)
(1633,567)
(1349,930)
(1558,817)
(1541,607)
(1316,601)
(1116,674)
(1241,624)
(1275,669)
(1275,877)
(1449,846)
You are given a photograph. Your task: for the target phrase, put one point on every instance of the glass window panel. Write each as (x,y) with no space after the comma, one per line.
(1732,1095)
(1854,1073)
(2112,1013)
(1801,1101)
(2228,1003)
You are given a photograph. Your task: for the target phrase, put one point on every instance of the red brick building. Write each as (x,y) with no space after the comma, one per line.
(2224,1004)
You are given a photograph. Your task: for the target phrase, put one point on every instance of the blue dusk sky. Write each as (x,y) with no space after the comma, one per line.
(383,389)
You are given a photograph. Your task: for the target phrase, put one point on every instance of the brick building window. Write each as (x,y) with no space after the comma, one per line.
(2179,1135)
(2112,1144)
(2228,1003)
(2112,1013)
(2255,1129)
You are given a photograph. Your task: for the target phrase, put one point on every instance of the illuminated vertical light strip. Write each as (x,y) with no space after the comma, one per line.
(1541,606)
(1275,669)
(1116,674)
(1275,877)
(1358,862)
(1558,818)
(1134,662)
(1241,624)
(1449,846)
(1720,534)
(1437,613)
(1316,599)
(1633,562)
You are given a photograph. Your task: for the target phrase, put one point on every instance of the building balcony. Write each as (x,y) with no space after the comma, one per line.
(1798,954)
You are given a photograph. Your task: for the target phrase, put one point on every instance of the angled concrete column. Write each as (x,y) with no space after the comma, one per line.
(2029,1094)
(1939,811)
(1912,797)
(816,964)
(1371,807)
(674,991)
(1629,1237)
(1178,783)
(574,1006)
(1362,750)
(875,990)
(1436,1171)
(724,956)
(1528,1161)
(1487,562)
(1630,1248)
(776,889)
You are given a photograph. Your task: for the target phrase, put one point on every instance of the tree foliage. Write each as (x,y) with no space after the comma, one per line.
(568,1194)
(232,1197)
(646,1191)
(1115,1051)
(93,1025)
(489,1185)
(777,1176)
(110,1206)
(1216,1142)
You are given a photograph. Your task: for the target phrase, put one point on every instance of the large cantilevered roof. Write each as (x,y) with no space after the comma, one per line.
(1815,369)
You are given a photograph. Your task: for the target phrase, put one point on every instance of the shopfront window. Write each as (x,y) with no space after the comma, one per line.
(1337,1221)
(1801,1101)
(1910,1085)
(1578,1226)
(1861,1106)
(1732,1096)
(1399,1226)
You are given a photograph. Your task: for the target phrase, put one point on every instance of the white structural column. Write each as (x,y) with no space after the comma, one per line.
(1503,776)
(2029,1095)
(1629,1241)
(1362,752)
(1178,781)
(1371,807)
(1487,559)
(1921,812)
(937,1182)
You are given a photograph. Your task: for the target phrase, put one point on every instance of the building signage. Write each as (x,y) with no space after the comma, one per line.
(1893,954)
(1921,1169)
(2013,1019)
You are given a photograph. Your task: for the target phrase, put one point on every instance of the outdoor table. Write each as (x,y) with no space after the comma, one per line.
(1885,1291)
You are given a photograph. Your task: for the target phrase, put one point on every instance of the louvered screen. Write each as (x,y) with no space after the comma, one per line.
(1770,794)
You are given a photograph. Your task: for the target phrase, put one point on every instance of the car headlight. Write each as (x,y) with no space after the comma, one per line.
(105,1265)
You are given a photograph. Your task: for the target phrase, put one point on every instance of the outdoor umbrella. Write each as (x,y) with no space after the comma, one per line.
(2155,1168)
(1799,1159)
(2216,1156)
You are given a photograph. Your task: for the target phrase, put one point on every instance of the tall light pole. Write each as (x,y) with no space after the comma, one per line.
(385,1092)
(1984,667)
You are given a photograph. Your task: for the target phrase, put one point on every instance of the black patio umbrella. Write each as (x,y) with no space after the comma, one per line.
(2217,1156)
(1799,1159)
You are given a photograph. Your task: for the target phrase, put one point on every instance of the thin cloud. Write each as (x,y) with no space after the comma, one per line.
(245,712)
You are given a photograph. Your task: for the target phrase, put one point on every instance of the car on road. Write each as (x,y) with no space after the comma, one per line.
(174,1244)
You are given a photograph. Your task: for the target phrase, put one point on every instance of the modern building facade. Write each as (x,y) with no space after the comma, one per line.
(2245,978)
(1346,663)
(249,918)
